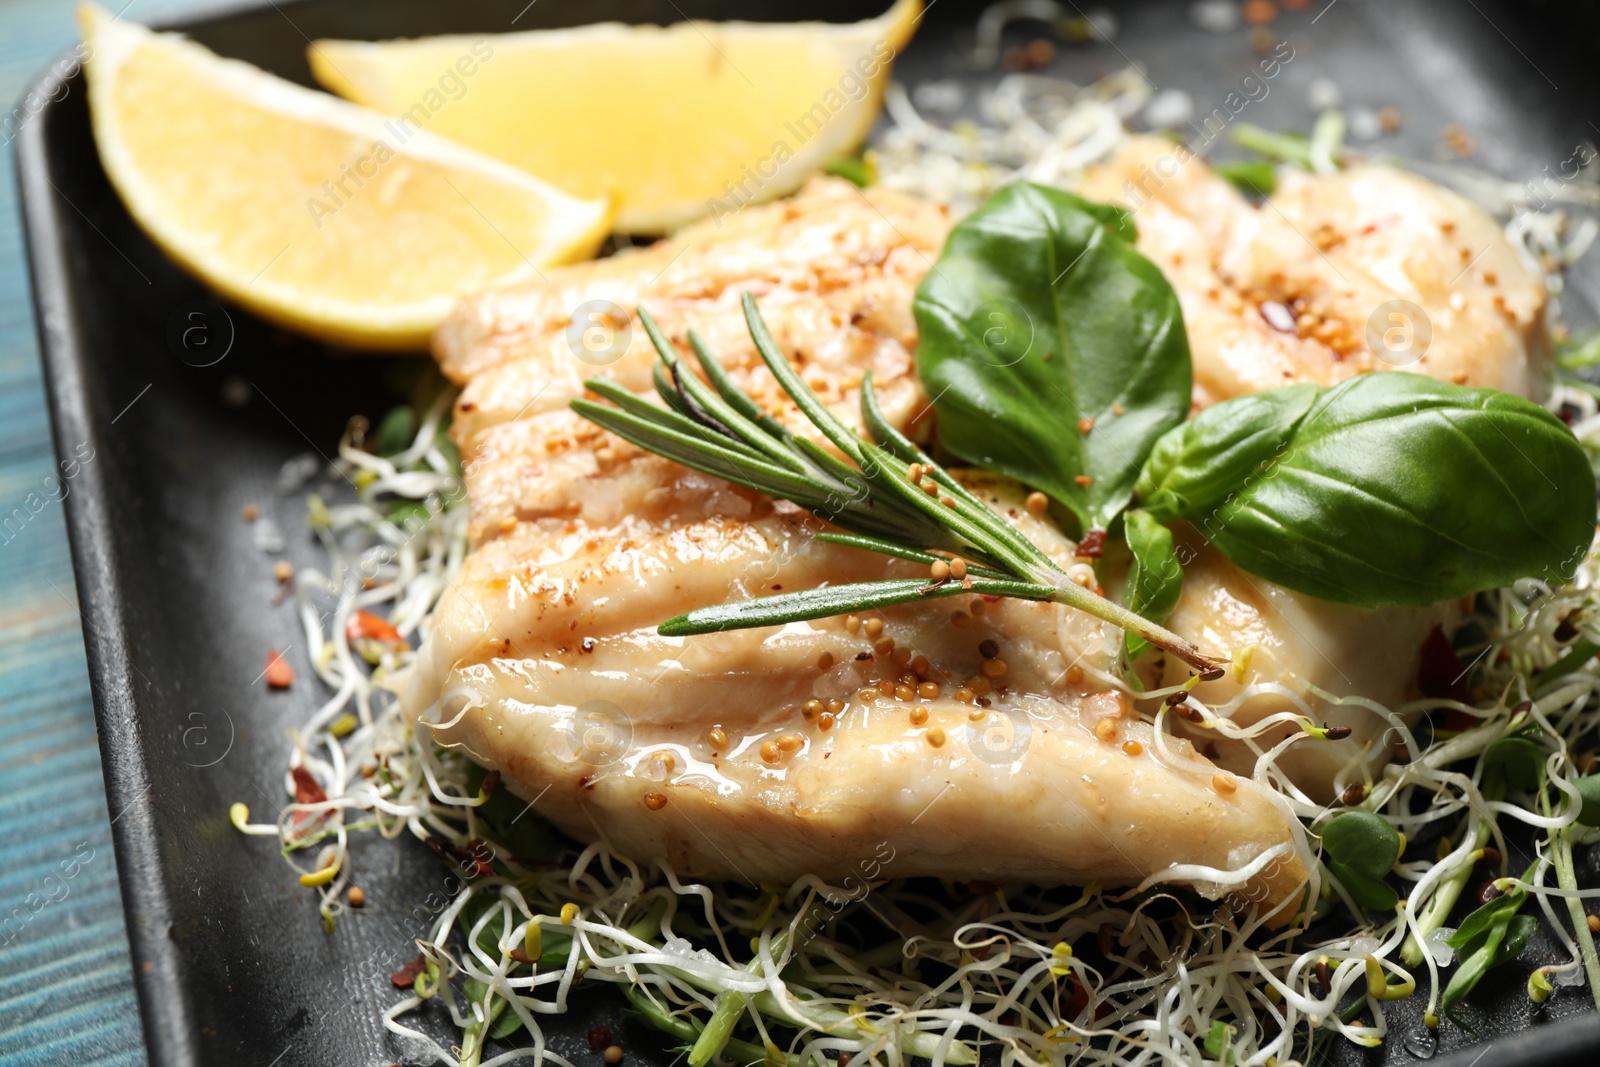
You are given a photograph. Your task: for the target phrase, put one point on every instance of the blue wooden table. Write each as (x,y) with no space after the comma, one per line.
(66,988)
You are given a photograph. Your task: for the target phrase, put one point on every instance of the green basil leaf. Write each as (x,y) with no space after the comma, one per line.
(1519,761)
(1039,315)
(1589,789)
(1388,490)
(1156,577)
(1201,465)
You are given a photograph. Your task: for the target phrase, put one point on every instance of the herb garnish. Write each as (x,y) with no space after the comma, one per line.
(895,499)
(1056,354)
(1387,490)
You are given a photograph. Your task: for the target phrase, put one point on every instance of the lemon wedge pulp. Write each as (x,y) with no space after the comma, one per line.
(675,122)
(310,211)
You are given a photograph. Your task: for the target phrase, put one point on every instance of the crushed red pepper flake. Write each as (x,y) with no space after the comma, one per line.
(406,976)
(307,790)
(364,625)
(1093,545)
(279,674)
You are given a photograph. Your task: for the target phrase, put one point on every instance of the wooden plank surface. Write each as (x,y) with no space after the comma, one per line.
(66,987)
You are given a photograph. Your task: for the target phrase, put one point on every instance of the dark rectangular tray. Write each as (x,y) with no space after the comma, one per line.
(230,960)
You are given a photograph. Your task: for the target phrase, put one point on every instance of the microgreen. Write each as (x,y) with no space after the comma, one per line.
(1487,938)
(1360,848)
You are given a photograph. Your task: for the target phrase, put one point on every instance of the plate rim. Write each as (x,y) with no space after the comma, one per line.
(127,779)
(153,955)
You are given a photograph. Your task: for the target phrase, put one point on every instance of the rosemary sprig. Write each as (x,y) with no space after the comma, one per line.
(891,497)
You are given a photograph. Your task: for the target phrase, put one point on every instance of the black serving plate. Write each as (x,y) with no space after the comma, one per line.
(230,960)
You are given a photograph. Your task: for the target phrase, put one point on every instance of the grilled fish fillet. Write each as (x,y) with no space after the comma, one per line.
(707,752)
(545,664)
(1338,275)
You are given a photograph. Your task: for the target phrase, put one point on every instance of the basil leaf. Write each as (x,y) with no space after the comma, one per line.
(1200,466)
(1040,315)
(1360,847)
(1156,577)
(1388,490)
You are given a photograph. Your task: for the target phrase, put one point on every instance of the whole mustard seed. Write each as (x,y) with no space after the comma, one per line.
(1224,783)
(655,801)
(919,715)
(935,736)
(612,1054)
(717,738)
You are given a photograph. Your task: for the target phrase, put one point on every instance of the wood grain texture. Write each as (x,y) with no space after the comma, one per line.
(66,991)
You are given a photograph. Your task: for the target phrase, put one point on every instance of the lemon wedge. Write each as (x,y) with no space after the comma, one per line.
(312,212)
(693,119)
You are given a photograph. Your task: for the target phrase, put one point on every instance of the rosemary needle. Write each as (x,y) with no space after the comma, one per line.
(719,430)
